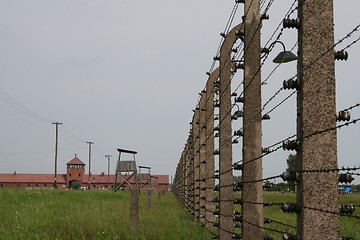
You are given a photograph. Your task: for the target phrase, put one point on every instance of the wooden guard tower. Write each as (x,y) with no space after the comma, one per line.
(125,170)
(154,183)
(144,179)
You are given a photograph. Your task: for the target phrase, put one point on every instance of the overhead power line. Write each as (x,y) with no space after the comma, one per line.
(20,108)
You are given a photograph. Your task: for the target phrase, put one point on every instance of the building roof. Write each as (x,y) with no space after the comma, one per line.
(103,178)
(31,178)
(75,161)
(61,178)
(161,178)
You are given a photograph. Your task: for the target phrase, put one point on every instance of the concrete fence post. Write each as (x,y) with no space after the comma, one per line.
(202,160)
(253,217)
(226,194)
(316,112)
(209,150)
(196,156)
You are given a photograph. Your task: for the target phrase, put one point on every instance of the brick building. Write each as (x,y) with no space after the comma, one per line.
(75,178)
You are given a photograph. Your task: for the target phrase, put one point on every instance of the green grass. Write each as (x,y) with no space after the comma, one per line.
(49,214)
(275,213)
(348,226)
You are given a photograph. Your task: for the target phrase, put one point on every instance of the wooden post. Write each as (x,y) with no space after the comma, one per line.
(56,151)
(89,183)
(134,209)
(253,216)
(149,198)
(316,112)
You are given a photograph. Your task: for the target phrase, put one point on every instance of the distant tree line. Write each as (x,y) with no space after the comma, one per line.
(286,187)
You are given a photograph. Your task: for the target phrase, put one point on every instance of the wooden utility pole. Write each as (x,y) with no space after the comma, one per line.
(56,150)
(108,158)
(317,192)
(253,217)
(90,143)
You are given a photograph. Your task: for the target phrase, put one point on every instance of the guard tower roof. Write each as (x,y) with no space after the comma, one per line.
(126,151)
(75,161)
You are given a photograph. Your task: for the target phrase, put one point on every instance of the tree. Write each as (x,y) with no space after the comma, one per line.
(356,188)
(292,165)
(237,178)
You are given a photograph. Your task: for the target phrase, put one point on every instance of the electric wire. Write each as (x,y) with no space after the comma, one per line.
(267,9)
(23,119)
(265,228)
(17,106)
(319,132)
(228,24)
(326,51)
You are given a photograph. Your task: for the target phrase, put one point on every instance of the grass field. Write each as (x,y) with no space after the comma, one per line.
(348,226)
(49,214)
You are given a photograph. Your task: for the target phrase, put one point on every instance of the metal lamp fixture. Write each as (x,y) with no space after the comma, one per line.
(284,56)
(237,114)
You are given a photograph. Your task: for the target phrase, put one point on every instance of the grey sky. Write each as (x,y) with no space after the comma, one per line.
(127,74)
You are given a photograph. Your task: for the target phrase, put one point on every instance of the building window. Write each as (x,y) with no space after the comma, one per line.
(70,174)
(79,175)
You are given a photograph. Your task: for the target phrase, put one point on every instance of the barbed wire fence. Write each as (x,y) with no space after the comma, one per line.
(208,191)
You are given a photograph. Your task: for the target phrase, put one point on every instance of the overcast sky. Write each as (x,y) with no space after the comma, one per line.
(126,74)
